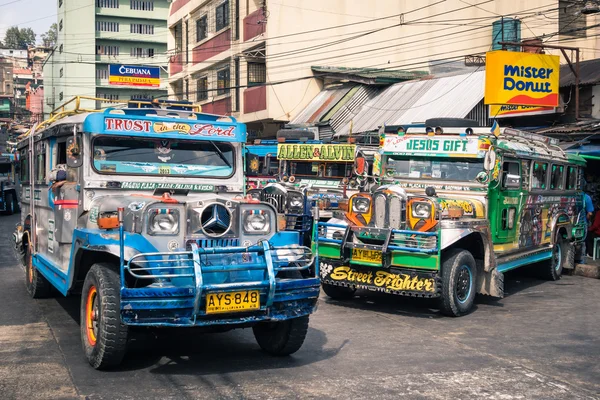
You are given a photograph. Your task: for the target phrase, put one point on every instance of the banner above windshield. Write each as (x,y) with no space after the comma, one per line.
(150,125)
(316,152)
(436,146)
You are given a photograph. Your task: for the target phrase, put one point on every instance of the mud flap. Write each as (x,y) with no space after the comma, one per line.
(491,283)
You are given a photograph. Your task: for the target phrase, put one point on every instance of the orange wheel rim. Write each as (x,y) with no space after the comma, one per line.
(30,269)
(91,315)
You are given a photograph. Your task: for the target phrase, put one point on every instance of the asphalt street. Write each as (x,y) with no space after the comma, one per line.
(542,341)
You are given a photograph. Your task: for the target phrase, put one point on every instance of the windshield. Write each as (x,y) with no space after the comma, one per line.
(117,155)
(452,169)
(319,169)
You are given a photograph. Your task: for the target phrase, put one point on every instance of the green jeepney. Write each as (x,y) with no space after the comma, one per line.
(453,209)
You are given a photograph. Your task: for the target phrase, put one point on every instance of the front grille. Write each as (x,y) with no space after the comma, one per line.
(276,200)
(389,211)
(380,210)
(209,243)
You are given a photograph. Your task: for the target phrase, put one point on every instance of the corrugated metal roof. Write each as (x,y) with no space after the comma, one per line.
(416,101)
(320,105)
(589,73)
(372,75)
(345,114)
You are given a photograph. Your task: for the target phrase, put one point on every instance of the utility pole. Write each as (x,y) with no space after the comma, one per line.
(574,68)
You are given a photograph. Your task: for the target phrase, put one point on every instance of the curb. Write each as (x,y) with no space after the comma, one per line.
(587,270)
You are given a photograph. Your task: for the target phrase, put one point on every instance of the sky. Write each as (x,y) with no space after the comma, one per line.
(35,14)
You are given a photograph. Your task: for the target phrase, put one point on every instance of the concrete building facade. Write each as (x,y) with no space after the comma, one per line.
(253,58)
(94,34)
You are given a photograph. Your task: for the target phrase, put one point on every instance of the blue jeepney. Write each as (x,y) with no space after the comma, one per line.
(143,212)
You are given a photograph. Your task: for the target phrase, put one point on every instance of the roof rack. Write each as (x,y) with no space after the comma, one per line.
(507,132)
(73,107)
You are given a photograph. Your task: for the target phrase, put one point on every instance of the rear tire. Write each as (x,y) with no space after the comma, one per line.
(338,292)
(459,275)
(37,285)
(103,335)
(281,338)
(561,252)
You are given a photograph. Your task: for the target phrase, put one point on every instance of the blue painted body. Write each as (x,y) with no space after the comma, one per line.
(524,261)
(162,288)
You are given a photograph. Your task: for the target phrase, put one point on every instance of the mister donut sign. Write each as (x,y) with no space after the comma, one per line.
(523,79)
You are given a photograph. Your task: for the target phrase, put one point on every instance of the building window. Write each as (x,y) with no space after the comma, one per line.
(107,50)
(101,73)
(142,5)
(223,81)
(202,89)
(60,48)
(60,96)
(107,3)
(222,15)
(62,72)
(60,3)
(257,73)
(571,22)
(141,97)
(108,96)
(105,26)
(141,52)
(201,28)
(60,24)
(144,29)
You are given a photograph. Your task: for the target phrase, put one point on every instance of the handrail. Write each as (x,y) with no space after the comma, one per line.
(62,111)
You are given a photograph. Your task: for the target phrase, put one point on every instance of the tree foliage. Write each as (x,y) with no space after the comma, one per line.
(49,38)
(16,38)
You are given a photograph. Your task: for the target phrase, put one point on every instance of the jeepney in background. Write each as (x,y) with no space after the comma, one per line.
(262,166)
(455,209)
(143,213)
(9,199)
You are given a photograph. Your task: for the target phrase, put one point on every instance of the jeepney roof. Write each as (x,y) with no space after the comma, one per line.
(476,142)
(149,122)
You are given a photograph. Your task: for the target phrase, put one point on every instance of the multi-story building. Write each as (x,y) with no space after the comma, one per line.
(17,57)
(23,79)
(110,49)
(36,56)
(253,59)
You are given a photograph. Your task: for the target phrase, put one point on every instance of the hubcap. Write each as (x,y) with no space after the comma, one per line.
(463,283)
(91,316)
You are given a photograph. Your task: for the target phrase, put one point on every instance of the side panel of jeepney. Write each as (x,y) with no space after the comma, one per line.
(529,198)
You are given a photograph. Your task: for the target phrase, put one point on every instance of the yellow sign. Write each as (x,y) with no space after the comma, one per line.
(133,81)
(507,110)
(316,152)
(232,301)
(383,279)
(524,79)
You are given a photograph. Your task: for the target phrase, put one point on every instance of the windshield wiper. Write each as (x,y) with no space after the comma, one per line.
(220,153)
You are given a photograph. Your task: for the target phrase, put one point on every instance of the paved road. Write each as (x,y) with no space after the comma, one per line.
(540,342)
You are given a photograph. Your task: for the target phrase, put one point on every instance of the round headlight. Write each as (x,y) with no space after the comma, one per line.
(421,210)
(296,202)
(164,223)
(360,205)
(256,222)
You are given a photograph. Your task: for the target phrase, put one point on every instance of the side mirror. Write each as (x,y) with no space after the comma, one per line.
(511,181)
(490,160)
(359,166)
(73,152)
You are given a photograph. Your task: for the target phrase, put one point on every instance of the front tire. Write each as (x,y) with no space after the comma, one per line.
(37,285)
(459,275)
(338,292)
(103,335)
(281,338)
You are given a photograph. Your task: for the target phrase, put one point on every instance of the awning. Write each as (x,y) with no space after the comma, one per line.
(416,101)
